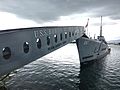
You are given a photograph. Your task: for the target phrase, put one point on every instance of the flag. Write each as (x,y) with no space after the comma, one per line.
(87,23)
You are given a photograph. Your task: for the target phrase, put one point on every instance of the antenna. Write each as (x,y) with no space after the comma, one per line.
(101,27)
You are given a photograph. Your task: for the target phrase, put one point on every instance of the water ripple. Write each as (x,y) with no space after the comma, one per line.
(63,72)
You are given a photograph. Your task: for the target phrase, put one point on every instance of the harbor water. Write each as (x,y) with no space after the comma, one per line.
(61,70)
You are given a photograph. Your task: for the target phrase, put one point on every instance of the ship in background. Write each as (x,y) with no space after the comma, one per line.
(92,49)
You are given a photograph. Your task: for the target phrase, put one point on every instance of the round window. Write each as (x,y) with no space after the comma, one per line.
(72,33)
(65,34)
(6,53)
(69,34)
(55,37)
(26,47)
(48,40)
(38,43)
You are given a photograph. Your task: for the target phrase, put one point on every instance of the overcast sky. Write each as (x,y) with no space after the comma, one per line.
(29,13)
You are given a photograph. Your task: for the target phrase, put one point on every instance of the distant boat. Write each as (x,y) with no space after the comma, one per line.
(92,49)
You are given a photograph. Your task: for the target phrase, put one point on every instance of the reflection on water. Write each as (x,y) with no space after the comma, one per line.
(61,70)
(103,74)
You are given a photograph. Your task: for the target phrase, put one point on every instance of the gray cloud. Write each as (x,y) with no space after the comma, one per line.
(46,10)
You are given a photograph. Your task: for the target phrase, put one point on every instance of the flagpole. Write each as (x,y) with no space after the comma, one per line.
(87,30)
(86,26)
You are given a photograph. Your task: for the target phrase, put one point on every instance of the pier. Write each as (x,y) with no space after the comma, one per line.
(19,47)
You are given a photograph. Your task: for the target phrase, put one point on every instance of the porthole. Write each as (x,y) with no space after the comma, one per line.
(72,33)
(6,53)
(69,34)
(65,35)
(26,47)
(76,33)
(48,40)
(55,37)
(61,36)
(38,43)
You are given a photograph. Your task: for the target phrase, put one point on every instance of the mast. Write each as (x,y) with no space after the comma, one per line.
(101,27)
(86,26)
